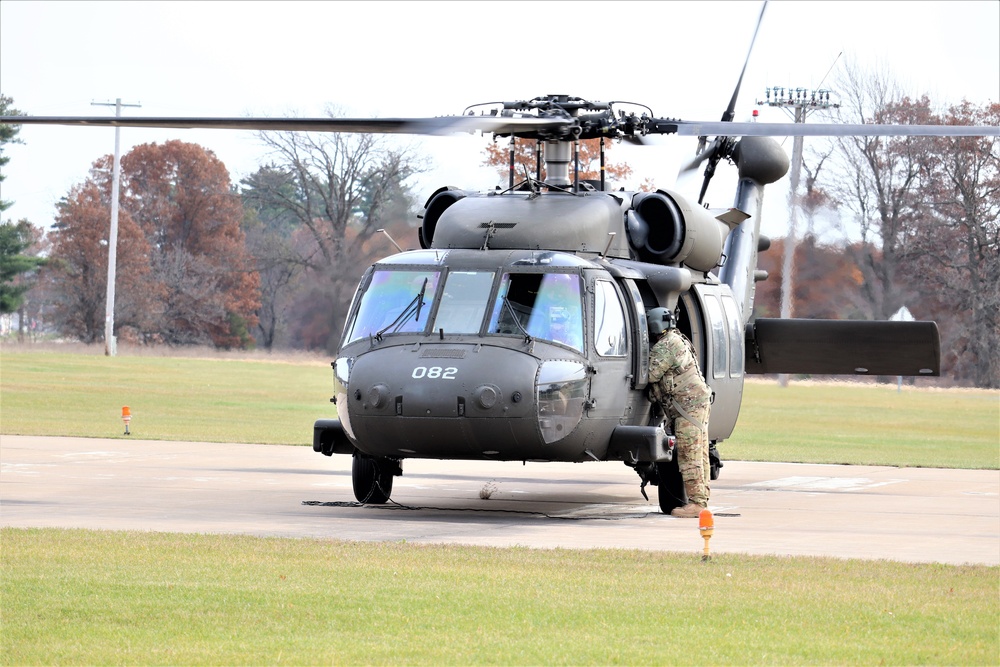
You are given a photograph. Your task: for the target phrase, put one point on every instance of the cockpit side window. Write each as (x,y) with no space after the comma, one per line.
(548,306)
(610,334)
(397,301)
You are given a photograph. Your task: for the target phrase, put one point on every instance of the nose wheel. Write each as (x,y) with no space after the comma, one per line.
(670,489)
(666,477)
(714,461)
(372,478)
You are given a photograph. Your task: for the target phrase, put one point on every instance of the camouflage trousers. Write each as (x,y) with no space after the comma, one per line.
(692,440)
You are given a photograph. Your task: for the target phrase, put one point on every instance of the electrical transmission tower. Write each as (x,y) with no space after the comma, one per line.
(800,102)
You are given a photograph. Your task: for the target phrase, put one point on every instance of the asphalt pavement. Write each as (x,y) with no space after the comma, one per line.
(868,512)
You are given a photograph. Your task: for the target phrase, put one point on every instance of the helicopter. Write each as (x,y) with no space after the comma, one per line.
(518,330)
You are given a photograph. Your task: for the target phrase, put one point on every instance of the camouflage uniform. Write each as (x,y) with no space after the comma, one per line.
(677,385)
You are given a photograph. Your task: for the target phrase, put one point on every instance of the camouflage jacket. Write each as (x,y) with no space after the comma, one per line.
(673,367)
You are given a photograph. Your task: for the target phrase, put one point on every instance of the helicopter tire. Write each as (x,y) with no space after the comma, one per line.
(372,482)
(670,490)
(715,462)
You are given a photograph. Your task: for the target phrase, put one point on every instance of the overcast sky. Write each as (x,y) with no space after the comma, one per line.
(435,58)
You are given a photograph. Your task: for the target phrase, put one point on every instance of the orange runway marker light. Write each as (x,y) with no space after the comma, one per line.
(126,417)
(706,524)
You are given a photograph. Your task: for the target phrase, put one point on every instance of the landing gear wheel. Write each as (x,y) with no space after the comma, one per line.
(372,481)
(715,463)
(670,490)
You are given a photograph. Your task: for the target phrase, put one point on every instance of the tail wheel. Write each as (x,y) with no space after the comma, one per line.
(372,481)
(670,490)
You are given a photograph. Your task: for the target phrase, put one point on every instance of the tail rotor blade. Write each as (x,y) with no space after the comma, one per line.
(704,153)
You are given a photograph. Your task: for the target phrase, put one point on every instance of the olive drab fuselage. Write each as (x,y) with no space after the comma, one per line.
(520,332)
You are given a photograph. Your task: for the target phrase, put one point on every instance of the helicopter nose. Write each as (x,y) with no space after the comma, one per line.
(442,402)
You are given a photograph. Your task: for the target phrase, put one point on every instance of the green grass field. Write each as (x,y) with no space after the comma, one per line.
(91,597)
(81,597)
(228,399)
(867,424)
(261,400)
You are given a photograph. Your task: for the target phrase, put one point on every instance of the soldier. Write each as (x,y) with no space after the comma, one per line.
(676,383)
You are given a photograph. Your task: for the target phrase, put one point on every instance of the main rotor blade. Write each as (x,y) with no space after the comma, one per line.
(428,126)
(552,127)
(696,129)
(730,112)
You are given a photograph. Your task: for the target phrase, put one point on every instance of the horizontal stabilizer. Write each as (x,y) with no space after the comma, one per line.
(842,347)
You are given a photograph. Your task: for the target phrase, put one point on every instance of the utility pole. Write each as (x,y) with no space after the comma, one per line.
(109,313)
(801,101)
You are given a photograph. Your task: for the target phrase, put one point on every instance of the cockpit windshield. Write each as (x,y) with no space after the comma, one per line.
(395,302)
(543,305)
(463,302)
(540,305)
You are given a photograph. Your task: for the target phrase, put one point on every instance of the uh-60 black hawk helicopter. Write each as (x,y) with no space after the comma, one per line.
(518,332)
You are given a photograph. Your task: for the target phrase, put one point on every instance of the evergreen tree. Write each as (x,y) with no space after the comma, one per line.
(15,239)
(8,135)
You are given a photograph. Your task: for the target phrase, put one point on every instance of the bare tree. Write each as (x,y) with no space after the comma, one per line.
(269,228)
(339,189)
(926,209)
(879,181)
(956,249)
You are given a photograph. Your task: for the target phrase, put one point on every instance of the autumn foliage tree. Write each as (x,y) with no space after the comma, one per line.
(183,275)
(75,281)
(181,197)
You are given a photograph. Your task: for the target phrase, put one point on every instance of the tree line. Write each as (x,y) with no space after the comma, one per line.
(273,261)
(923,213)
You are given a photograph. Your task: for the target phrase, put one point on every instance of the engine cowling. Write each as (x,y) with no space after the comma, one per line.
(436,204)
(665,228)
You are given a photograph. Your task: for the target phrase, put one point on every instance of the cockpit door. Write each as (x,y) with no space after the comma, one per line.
(609,348)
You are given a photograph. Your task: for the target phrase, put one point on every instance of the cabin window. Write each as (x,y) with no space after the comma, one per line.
(548,306)
(395,302)
(609,321)
(720,331)
(735,336)
(463,302)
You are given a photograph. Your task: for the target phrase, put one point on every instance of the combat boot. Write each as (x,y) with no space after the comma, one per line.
(689,511)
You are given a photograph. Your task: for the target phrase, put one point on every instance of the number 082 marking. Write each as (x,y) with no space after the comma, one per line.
(434,373)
